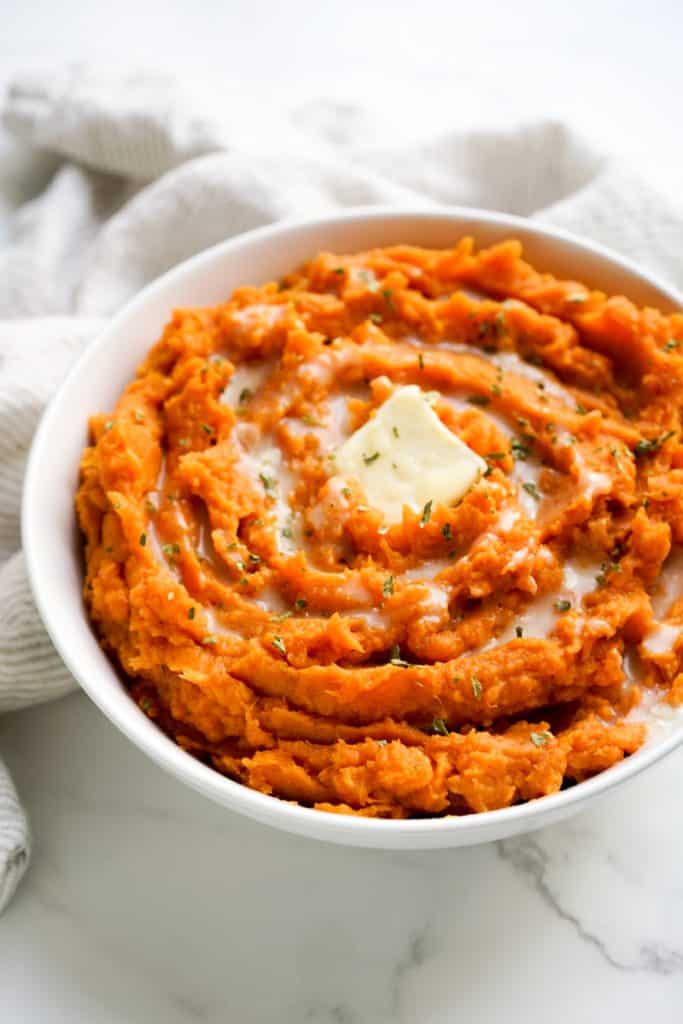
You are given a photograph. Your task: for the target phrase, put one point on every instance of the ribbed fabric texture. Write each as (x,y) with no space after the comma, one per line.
(34,356)
(15,841)
(30,670)
(147,175)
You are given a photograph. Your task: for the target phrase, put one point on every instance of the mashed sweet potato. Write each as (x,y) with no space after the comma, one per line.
(463,659)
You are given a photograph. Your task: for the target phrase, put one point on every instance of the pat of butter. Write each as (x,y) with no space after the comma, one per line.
(404,455)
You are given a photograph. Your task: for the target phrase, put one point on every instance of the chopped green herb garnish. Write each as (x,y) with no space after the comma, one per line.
(539,739)
(496,391)
(279,644)
(245,395)
(581,409)
(495,456)
(139,417)
(395,657)
(479,400)
(300,603)
(519,632)
(376,318)
(446,531)
(267,481)
(606,567)
(440,727)
(388,295)
(577,297)
(671,343)
(381,743)
(287,532)
(367,459)
(145,703)
(170,550)
(563,605)
(338,270)
(210,639)
(394,431)
(426,513)
(109,424)
(346,491)
(184,442)
(388,586)
(476,687)
(519,450)
(647,447)
(191,612)
(254,559)
(207,428)
(143,539)
(532,489)
(420,361)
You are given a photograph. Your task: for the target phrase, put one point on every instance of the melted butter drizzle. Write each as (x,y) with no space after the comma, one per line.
(263,458)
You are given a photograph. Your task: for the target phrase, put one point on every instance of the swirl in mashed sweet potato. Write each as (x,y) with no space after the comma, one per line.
(463,657)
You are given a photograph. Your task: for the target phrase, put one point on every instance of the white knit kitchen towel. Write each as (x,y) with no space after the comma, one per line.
(148,174)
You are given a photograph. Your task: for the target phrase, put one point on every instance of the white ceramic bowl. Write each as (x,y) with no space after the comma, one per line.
(50,534)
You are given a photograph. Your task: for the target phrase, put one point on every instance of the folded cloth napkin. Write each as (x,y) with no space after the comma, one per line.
(147,174)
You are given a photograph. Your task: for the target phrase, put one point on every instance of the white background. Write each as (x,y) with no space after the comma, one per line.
(146,904)
(615,64)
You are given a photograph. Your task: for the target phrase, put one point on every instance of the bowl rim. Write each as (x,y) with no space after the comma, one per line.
(160,748)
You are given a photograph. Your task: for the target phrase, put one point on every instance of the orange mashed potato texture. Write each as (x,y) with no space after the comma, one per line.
(468,657)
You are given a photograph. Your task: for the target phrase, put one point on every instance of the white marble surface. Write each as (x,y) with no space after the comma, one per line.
(147,904)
